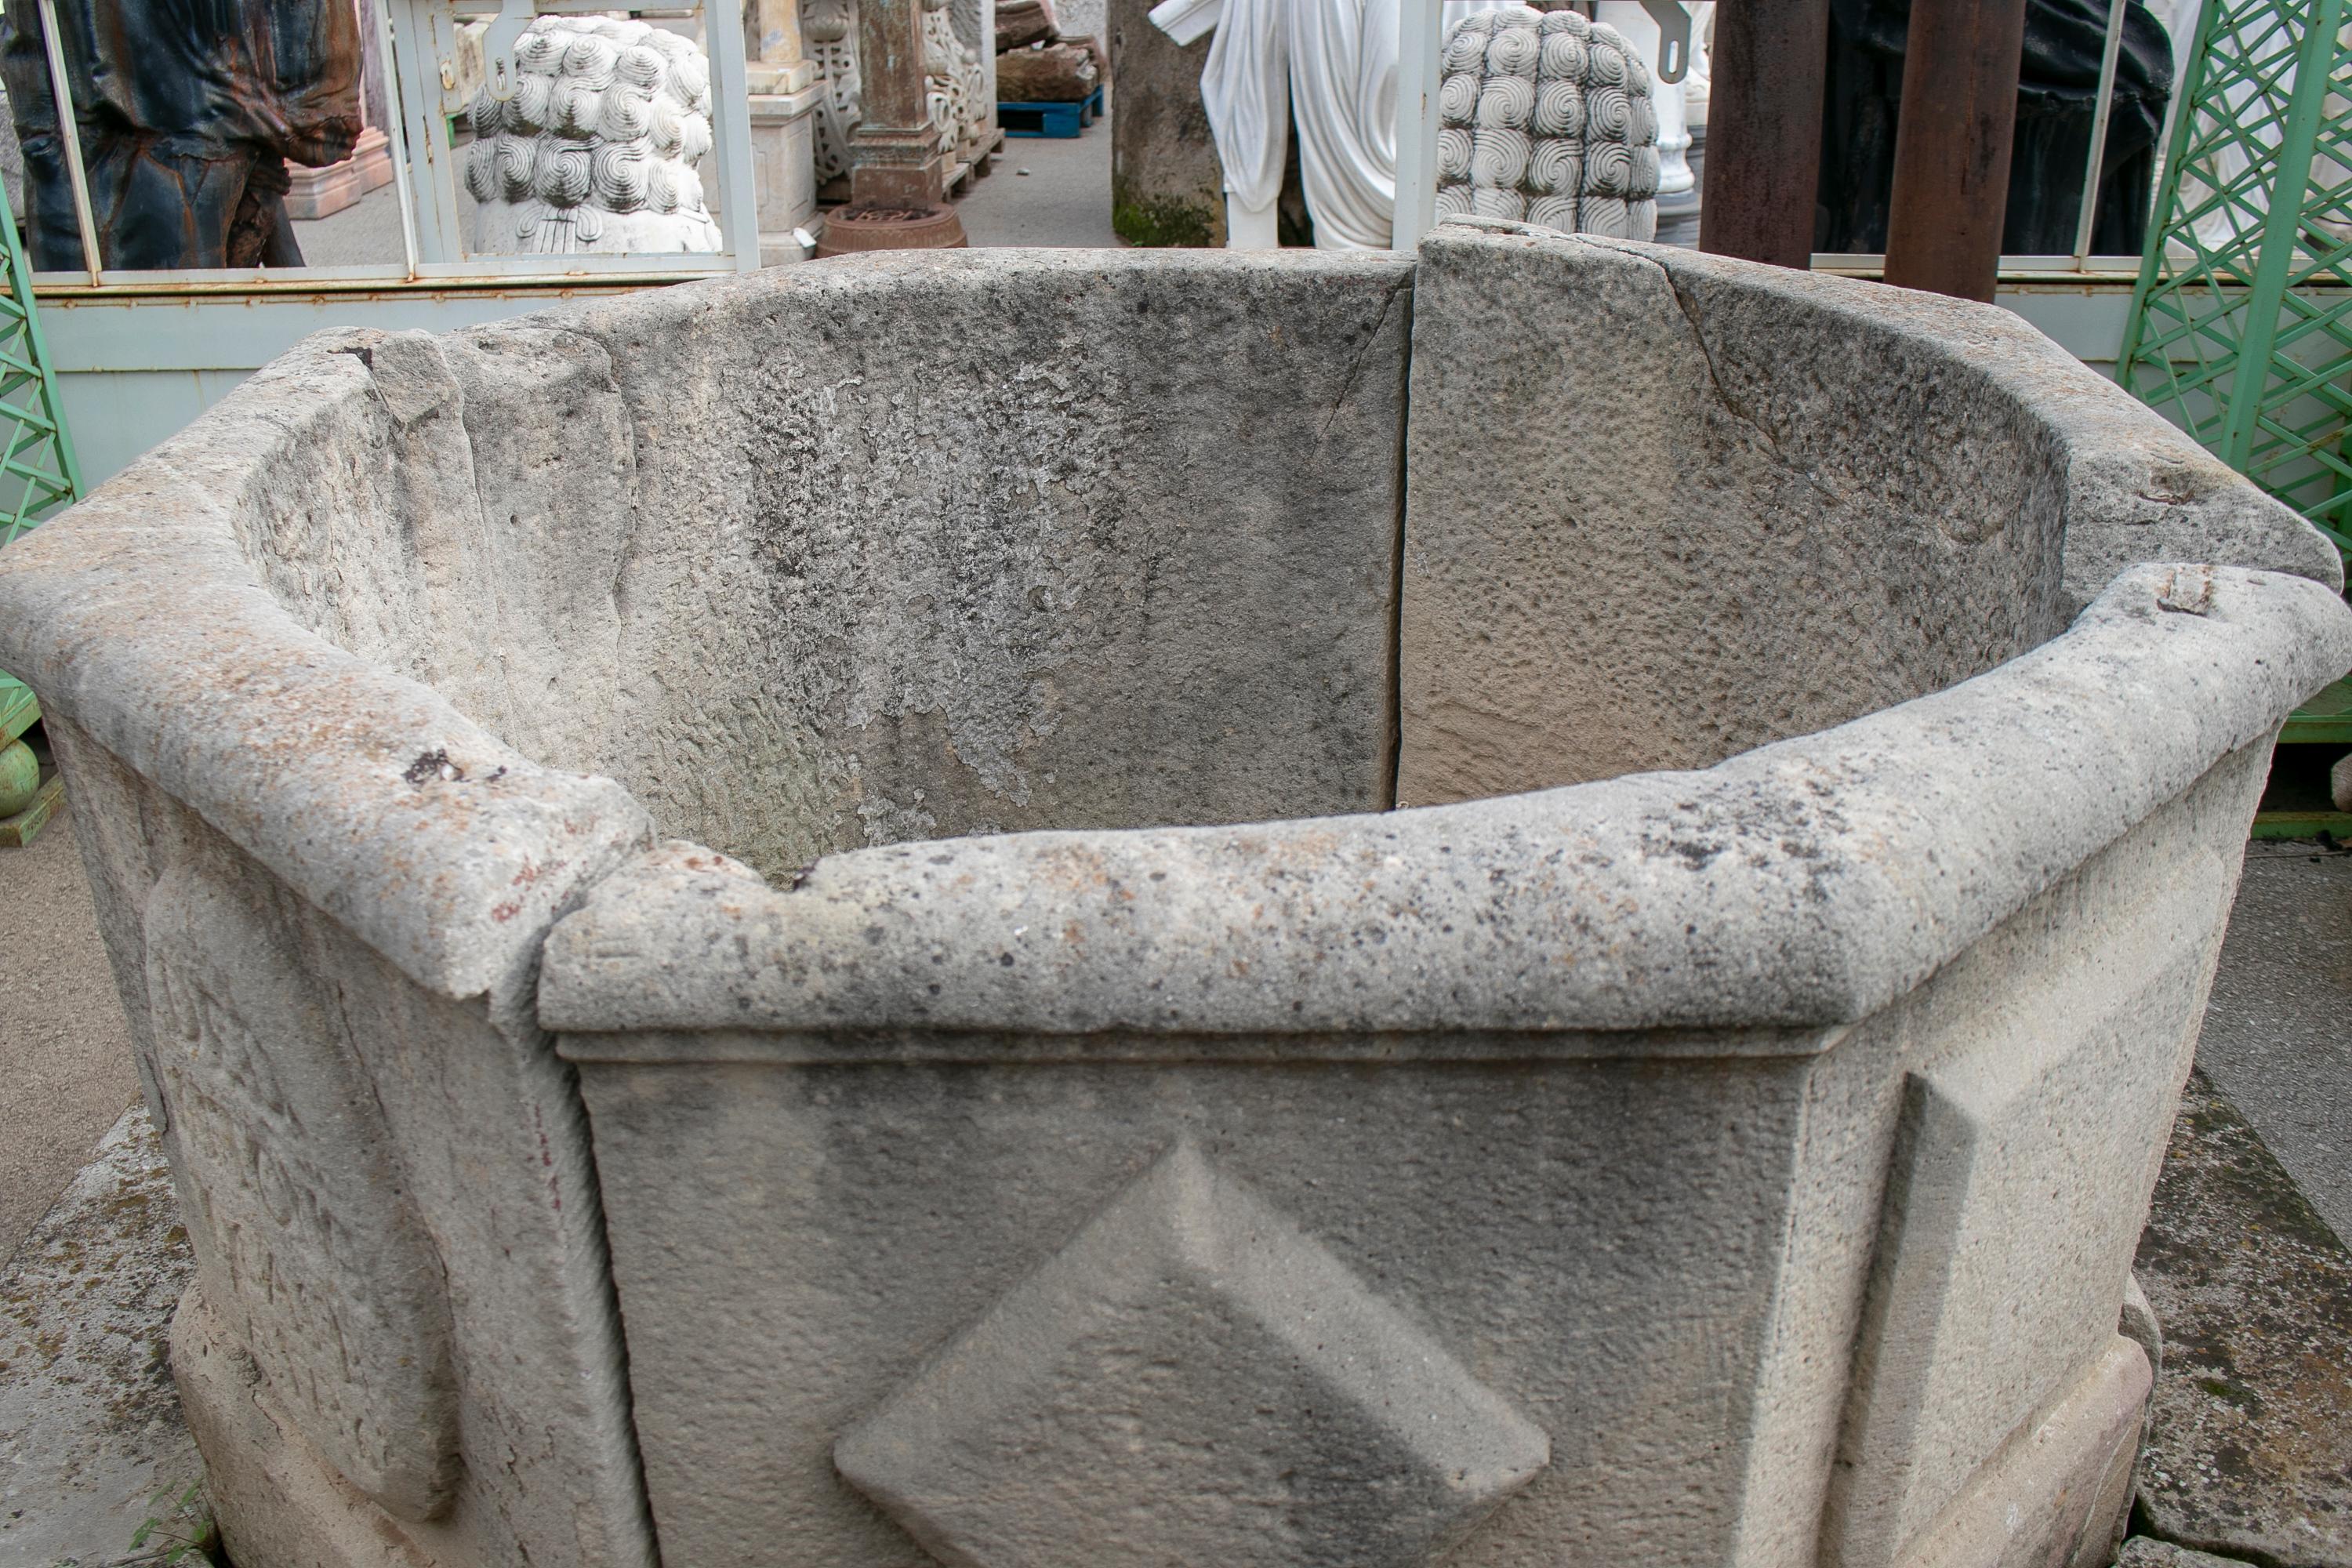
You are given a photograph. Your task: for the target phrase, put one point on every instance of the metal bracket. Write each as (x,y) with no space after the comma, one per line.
(1673,37)
(498,46)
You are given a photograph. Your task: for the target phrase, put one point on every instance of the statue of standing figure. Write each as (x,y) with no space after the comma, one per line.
(1331,67)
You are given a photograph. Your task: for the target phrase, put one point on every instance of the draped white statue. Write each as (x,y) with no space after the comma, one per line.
(1331,65)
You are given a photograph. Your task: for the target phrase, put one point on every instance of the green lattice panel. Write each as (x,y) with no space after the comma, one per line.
(37,472)
(2241,322)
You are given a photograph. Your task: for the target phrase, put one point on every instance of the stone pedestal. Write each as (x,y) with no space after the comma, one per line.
(895,157)
(319,192)
(784,163)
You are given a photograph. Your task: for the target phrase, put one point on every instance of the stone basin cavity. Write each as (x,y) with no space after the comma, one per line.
(1544,902)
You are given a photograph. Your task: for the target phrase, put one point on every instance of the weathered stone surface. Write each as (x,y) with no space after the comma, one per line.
(2139,1324)
(1064,635)
(2056,1495)
(282,1504)
(2146,1551)
(979,1153)
(1779,503)
(491,1154)
(90,1431)
(1191,1379)
(2250,1441)
(1164,594)
(1994,1288)
(298,1206)
(1527,1236)
(1807,883)
(1584,1110)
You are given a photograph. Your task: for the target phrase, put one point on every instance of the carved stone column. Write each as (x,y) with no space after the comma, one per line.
(894,155)
(783,99)
(772,40)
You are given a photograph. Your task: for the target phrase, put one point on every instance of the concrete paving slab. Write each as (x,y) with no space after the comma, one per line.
(2249,1448)
(2278,1034)
(66,1071)
(90,1431)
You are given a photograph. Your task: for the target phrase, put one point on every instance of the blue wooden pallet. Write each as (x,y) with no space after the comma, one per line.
(1056,119)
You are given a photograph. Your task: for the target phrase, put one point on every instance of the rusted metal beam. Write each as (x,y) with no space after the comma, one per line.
(1764,130)
(1951,149)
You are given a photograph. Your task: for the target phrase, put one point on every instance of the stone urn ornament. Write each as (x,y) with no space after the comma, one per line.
(1546,116)
(592,144)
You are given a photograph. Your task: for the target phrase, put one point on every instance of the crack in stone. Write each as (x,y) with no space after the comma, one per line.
(1356,365)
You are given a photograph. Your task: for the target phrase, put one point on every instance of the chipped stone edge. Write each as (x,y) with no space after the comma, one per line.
(136,614)
(1804,884)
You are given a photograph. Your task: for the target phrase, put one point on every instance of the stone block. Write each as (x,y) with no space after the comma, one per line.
(2002,1248)
(1060,629)
(300,1220)
(1167,187)
(1776,504)
(784,166)
(2146,1551)
(282,1505)
(317,193)
(1094,1409)
(1029,1218)
(1044,1105)
(2056,1495)
(2138,1324)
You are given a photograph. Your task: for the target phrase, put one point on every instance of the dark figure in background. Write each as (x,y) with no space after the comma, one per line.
(190,111)
(2057,97)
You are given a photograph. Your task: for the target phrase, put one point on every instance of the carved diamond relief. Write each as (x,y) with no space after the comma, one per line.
(1191,1380)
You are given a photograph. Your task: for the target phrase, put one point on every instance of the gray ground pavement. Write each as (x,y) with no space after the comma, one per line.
(64,1054)
(2278,1033)
(2245,1255)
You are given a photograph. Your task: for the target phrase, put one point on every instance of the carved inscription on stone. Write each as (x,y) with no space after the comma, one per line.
(306,1244)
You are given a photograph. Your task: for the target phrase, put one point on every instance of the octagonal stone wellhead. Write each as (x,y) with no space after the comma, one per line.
(1544,902)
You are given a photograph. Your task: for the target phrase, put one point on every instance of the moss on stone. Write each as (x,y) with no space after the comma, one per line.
(1164,222)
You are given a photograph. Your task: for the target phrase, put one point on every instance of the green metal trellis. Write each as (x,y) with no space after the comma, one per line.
(2240,325)
(37,472)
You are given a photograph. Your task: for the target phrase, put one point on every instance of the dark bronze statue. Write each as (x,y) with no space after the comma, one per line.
(189,112)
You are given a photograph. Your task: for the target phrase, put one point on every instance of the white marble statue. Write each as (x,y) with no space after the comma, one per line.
(1330,66)
(592,145)
(1545,118)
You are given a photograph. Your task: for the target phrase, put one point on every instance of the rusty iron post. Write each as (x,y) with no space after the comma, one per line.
(1951,148)
(1764,130)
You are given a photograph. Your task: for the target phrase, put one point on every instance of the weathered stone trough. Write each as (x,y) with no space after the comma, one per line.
(1053,1112)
